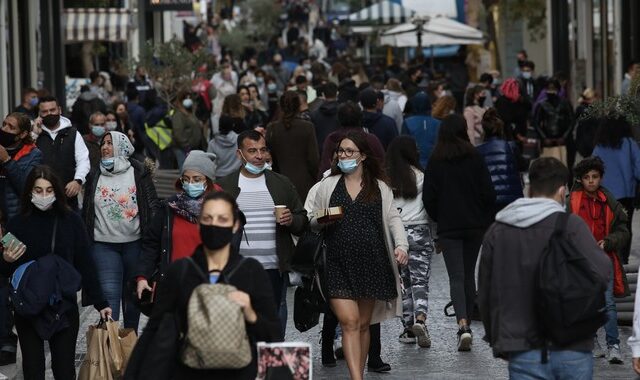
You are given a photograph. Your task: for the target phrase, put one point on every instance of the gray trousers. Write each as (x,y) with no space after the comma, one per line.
(415,275)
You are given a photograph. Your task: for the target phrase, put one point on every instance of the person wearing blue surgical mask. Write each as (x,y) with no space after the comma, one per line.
(119,202)
(174,230)
(188,131)
(97,129)
(364,247)
(29,105)
(258,190)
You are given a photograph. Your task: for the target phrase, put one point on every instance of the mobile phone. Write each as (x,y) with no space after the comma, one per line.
(148,296)
(8,238)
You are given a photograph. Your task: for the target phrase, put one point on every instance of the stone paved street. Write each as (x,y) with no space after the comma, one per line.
(441,361)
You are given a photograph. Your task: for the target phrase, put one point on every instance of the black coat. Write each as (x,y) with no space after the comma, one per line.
(458,195)
(325,120)
(173,297)
(148,202)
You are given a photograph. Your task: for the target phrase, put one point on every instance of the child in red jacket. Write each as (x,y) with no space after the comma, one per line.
(607,221)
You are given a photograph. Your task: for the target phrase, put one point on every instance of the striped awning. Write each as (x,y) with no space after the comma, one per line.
(383,13)
(97,24)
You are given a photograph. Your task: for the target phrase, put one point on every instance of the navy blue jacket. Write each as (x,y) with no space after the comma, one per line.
(15,175)
(422,126)
(380,125)
(501,162)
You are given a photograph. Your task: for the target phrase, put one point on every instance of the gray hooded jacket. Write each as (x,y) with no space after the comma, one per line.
(508,268)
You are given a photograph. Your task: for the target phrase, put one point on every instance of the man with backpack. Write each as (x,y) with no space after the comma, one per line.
(542,279)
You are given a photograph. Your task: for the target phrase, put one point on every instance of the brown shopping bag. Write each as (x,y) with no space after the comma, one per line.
(128,340)
(96,364)
(113,347)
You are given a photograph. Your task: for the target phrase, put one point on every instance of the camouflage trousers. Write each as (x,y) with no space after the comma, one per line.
(415,275)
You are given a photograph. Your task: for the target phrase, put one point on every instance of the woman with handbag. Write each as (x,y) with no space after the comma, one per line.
(173,231)
(219,220)
(119,203)
(363,248)
(46,225)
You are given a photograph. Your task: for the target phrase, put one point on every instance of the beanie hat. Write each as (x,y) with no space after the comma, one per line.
(201,162)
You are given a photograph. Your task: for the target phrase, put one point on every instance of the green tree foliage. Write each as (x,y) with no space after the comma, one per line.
(533,12)
(170,66)
(255,28)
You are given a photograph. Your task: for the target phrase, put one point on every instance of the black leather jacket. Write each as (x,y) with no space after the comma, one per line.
(148,202)
(554,121)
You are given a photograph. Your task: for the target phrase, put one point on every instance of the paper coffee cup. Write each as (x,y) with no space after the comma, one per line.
(279,209)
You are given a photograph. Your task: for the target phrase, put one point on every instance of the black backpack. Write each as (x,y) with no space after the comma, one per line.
(570,294)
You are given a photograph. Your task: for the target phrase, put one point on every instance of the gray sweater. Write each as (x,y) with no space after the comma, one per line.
(224,147)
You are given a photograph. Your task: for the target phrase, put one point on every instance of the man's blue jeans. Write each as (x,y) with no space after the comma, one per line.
(611,326)
(115,264)
(561,365)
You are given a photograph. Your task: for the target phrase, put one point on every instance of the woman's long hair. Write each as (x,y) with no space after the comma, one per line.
(470,97)
(44,172)
(401,155)
(290,107)
(492,125)
(232,106)
(453,140)
(371,168)
(443,107)
(612,131)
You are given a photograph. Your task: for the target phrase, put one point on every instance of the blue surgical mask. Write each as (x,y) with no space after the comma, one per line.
(194,190)
(34,101)
(272,87)
(348,166)
(526,74)
(187,103)
(251,168)
(98,130)
(107,163)
(268,166)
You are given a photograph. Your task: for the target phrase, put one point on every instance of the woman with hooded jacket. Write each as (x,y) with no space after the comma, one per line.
(120,201)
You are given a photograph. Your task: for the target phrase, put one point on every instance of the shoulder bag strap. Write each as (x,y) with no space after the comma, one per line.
(53,235)
(228,276)
(198,269)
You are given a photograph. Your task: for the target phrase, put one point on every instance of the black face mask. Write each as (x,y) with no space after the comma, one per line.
(214,237)
(481,100)
(51,121)
(7,139)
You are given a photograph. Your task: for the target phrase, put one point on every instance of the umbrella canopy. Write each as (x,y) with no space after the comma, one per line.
(435,31)
(383,13)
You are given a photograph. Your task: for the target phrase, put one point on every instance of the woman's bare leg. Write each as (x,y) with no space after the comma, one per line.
(365,309)
(349,317)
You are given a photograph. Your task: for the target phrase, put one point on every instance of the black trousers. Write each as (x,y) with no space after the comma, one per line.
(627,203)
(460,257)
(62,346)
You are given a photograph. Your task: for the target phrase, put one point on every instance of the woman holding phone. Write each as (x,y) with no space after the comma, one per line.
(46,222)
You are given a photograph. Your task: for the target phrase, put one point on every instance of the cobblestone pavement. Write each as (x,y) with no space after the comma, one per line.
(441,361)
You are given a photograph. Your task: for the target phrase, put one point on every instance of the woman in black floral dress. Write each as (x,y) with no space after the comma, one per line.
(363,248)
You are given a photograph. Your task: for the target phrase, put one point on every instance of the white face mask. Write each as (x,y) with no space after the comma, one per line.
(43,202)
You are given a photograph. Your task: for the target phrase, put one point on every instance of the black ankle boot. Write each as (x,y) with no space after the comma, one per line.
(328,358)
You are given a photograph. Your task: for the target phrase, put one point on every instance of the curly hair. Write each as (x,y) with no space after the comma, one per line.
(290,107)
(443,107)
(587,165)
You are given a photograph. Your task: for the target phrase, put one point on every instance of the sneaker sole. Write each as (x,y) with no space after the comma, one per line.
(407,340)
(616,361)
(420,331)
(465,342)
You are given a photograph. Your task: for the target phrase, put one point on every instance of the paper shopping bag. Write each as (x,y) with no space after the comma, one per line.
(128,340)
(114,347)
(96,364)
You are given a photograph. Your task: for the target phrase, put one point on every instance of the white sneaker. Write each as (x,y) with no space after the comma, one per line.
(614,356)
(337,348)
(422,334)
(598,352)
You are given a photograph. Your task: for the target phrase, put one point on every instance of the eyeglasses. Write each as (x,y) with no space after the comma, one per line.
(346,152)
(194,180)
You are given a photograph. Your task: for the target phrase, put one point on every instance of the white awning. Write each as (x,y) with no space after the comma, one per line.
(383,13)
(435,31)
(446,8)
(97,24)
